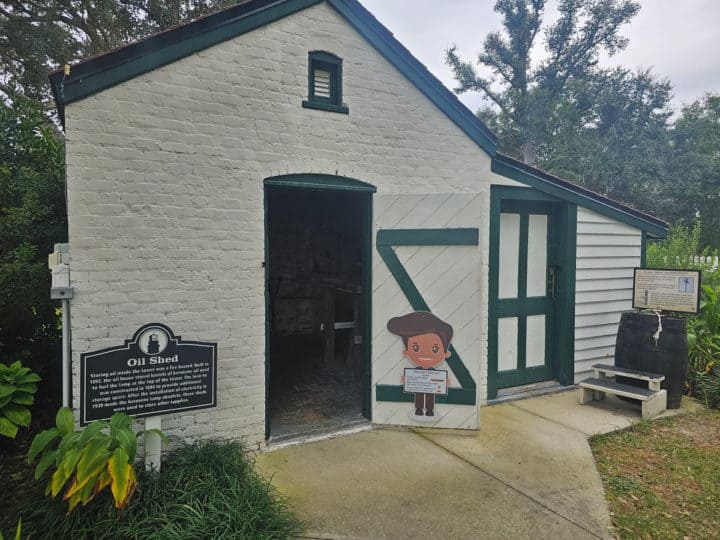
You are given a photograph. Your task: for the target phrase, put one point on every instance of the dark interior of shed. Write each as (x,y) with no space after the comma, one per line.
(315,248)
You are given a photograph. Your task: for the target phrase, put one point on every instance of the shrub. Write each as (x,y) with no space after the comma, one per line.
(206,490)
(681,249)
(17,393)
(704,349)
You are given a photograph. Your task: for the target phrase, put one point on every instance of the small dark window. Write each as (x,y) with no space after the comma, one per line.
(325,83)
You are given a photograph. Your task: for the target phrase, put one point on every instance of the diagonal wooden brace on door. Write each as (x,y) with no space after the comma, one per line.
(386,239)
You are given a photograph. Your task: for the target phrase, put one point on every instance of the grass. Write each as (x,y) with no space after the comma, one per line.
(206,490)
(662,478)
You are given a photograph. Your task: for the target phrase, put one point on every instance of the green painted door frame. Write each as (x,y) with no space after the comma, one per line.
(562,243)
(364,193)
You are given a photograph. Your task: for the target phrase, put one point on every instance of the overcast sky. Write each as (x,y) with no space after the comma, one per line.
(678,39)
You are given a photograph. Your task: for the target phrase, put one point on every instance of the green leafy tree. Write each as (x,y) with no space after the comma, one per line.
(32,219)
(41,35)
(528,96)
(611,135)
(692,185)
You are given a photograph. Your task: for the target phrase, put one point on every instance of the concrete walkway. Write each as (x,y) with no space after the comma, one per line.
(528,473)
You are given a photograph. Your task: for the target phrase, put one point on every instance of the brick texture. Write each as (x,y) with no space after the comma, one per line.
(165,191)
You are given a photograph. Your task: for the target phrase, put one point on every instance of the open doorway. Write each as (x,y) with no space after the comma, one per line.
(317,275)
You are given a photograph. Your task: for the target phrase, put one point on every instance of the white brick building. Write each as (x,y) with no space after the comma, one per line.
(178,146)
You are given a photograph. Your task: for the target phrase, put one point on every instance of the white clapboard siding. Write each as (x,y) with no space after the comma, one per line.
(607,252)
(448,278)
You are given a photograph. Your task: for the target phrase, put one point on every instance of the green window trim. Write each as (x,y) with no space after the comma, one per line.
(325,75)
(467,393)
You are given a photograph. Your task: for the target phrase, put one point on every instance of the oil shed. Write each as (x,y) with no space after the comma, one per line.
(282,179)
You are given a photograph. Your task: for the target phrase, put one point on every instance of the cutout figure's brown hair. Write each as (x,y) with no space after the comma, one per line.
(418,323)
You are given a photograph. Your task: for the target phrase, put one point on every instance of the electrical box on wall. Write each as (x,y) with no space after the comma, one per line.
(59,264)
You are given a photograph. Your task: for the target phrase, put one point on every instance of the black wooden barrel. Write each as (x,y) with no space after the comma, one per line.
(635,348)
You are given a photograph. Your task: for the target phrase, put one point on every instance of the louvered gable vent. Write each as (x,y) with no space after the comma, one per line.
(322,84)
(325,83)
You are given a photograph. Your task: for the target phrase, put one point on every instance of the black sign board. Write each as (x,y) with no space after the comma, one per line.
(155,372)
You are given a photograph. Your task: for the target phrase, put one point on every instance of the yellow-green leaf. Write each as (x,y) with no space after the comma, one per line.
(93,460)
(45,461)
(58,481)
(70,461)
(73,502)
(7,428)
(6,389)
(18,531)
(65,421)
(23,398)
(123,478)
(103,481)
(128,441)
(17,414)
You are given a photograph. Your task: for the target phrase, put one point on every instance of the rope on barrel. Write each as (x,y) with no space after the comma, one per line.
(656,335)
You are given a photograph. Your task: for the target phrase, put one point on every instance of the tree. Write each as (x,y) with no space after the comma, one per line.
(527,97)
(610,134)
(42,35)
(692,185)
(32,219)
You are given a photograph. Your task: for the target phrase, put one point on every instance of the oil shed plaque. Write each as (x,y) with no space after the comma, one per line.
(153,373)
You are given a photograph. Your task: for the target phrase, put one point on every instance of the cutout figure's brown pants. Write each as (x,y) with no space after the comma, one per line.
(425,401)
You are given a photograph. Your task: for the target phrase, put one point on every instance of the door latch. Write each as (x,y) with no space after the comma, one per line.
(552,281)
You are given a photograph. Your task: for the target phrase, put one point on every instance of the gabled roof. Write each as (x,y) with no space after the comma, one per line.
(100,72)
(106,70)
(562,189)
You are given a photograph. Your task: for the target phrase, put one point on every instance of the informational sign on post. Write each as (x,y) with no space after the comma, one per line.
(667,290)
(153,373)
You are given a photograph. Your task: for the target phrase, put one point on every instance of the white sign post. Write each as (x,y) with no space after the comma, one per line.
(152,443)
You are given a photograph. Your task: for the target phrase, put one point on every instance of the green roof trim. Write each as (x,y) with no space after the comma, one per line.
(567,191)
(320,181)
(104,71)
(98,73)
(101,72)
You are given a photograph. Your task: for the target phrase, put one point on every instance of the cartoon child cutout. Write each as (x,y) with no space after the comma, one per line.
(427,342)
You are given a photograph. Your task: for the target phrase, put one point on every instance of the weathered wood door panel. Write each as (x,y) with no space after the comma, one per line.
(427,258)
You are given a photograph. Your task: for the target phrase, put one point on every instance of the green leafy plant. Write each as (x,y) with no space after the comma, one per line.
(704,349)
(18,532)
(209,489)
(88,460)
(17,393)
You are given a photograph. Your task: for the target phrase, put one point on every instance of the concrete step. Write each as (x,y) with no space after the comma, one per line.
(630,373)
(653,401)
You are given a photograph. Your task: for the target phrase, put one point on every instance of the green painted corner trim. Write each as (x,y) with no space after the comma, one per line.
(386,44)
(428,237)
(455,396)
(319,181)
(329,107)
(403,279)
(643,250)
(568,192)
(564,331)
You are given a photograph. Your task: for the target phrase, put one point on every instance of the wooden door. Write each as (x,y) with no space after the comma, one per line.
(522,312)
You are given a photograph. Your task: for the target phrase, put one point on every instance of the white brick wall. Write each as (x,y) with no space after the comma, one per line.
(165,189)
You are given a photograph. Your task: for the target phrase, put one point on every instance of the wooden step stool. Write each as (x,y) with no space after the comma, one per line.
(653,398)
